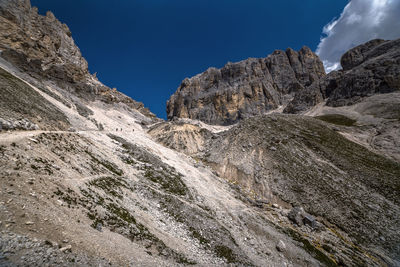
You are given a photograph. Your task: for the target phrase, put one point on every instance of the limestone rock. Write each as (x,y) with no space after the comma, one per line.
(281,247)
(247,88)
(66,248)
(296,215)
(289,79)
(43,47)
(43,39)
(359,54)
(368,69)
(23,124)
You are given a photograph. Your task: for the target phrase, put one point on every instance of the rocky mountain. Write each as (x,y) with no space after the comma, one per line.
(43,48)
(289,81)
(324,164)
(89,177)
(247,88)
(368,69)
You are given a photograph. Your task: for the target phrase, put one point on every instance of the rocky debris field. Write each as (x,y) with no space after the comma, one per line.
(23,124)
(24,108)
(33,252)
(300,162)
(89,177)
(134,195)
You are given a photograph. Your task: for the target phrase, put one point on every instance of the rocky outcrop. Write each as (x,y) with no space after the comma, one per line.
(368,69)
(295,81)
(43,40)
(43,47)
(247,88)
(359,54)
(23,124)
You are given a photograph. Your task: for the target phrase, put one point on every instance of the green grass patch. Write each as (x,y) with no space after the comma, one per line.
(337,119)
(106,164)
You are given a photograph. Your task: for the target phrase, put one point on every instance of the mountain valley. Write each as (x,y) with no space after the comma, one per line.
(264,162)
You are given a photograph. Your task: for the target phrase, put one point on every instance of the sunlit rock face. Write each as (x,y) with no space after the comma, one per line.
(247,88)
(43,47)
(44,40)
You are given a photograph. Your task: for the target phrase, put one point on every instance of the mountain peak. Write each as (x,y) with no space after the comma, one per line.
(246,88)
(43,47)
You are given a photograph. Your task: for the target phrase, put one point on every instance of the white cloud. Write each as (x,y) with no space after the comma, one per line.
(360,21)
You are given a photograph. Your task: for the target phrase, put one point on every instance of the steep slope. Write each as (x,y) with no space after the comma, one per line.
(84,179)
(300,161)
(19,102)
(82,183)
(372,122)
(114,196)
(43,49)
(247,88)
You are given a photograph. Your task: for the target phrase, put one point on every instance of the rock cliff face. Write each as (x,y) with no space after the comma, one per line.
(46,43)
(88,179)
(295,81)
(368,69)
(247,88)
(43,47)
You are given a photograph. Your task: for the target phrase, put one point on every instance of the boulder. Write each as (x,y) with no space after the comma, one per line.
(296,215)
(281,246)
(309,220)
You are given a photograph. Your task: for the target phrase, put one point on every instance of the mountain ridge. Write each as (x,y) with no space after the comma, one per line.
(43,47)
(249,87)
(286,81)
(89,177)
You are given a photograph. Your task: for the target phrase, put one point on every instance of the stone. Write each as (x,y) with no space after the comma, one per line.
(29,223)
(33,140)
(66,248)
(309,220)
(296,215)
(281,247)
(99,227)
(262,201)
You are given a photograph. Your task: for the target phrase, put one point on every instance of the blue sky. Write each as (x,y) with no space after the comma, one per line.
(145,48)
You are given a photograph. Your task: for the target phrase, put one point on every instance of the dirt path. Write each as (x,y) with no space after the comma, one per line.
(7,137)
(15,136)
